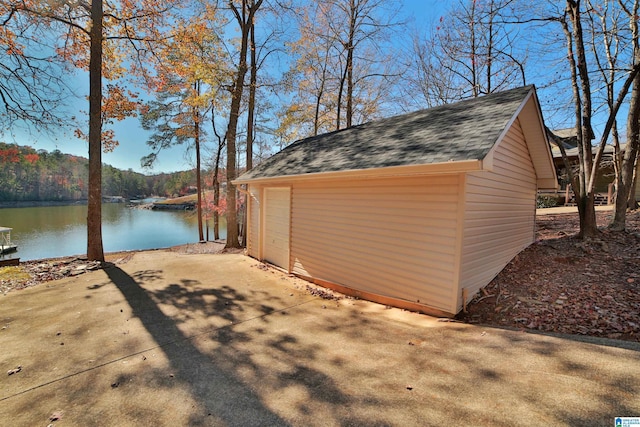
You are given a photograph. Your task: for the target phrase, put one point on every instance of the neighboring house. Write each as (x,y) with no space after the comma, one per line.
(418,211)
(568,138)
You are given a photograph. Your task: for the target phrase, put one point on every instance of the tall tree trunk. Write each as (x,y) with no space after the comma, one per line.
(343,78)
(95,250)
(196,129)
(490,47)
(633,201)
(320,94)
(626,178)
(585,197)
(216,177)
(474,52)
(350,49)
(253,83)
(245,19)
(626,175)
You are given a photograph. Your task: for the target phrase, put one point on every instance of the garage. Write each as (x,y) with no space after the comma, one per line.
(418,211)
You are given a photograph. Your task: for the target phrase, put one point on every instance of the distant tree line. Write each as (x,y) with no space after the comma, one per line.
(27,174)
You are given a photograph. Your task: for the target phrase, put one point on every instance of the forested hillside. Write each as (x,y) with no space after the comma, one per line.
(27,174)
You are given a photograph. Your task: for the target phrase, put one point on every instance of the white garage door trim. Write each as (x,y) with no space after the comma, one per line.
(277,216)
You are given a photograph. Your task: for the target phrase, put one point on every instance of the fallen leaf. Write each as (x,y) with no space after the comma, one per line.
(14,371)
(57,415)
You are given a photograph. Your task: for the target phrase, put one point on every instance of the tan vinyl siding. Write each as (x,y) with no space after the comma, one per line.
(253,241)
(392,237)
(499,213)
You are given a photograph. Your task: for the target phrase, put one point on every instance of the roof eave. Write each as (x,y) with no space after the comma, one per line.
(533,130)
(390,171)
(547,184)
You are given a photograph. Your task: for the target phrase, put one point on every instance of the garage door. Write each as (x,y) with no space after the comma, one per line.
(276,226)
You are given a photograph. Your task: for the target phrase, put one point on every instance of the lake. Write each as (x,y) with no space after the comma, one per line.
(56,231)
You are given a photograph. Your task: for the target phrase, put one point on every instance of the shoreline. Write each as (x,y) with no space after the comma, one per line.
(40,203)
(35,272)
(186,248)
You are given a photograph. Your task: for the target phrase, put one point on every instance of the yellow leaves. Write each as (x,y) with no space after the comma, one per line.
(109,142)
(9,43)
(118,104)
(113,61)
(192,53)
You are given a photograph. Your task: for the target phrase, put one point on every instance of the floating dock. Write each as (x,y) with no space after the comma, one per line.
(5,241)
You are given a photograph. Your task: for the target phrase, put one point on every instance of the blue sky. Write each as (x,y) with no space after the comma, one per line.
(133,138)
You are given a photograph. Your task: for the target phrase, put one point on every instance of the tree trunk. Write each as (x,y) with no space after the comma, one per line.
(95,250)
(473,54)
(196,128)
(245,19)
(216,215)
(196,137)
(633,201)
(339,102)
(253,82)
(319,96)
(625,180)
(587,214)
(585,197)
(232,212)
(216,177)
(350,49)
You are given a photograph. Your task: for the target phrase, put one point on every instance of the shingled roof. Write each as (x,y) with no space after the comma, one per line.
(466,130)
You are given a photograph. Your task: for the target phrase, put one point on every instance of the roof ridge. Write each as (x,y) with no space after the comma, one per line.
(460,131)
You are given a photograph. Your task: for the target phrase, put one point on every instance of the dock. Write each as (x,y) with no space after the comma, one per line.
(5,241)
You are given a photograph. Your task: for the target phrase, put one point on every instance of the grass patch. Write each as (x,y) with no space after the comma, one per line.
(13,273)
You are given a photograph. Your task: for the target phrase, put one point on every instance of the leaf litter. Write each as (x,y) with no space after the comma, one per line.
(566,285)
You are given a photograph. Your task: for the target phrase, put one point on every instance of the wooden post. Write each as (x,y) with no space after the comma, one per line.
(464,299)
(610,193)
(566,194)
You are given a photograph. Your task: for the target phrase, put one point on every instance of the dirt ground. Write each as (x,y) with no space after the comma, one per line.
(559,284)
(566,285)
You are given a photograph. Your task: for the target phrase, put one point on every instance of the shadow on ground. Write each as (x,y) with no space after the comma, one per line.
(216,390)
(213,340)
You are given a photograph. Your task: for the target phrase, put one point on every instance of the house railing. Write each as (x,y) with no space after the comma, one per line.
(601,199)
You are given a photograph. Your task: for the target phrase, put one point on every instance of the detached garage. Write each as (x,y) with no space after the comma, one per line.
(417,211)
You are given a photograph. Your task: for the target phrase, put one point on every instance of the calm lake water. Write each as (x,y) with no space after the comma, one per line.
(55,231)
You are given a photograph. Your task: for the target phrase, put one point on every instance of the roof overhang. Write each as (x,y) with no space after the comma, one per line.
(532,124)
(392,171)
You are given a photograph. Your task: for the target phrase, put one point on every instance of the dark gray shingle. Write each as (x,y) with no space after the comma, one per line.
(462,131)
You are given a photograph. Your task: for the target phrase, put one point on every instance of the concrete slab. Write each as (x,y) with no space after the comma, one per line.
(168,340)
(569,209)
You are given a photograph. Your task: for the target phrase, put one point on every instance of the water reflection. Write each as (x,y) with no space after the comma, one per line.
(53,231)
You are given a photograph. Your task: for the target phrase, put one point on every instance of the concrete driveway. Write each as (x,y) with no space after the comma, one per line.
(175,340)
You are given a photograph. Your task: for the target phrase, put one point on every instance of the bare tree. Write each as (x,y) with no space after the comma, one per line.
(32,84)
(472,51)
(627,165)
(344,68)
(583,180)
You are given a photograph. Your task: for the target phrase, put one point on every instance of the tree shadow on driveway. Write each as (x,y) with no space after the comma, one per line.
(217,390)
